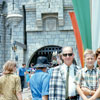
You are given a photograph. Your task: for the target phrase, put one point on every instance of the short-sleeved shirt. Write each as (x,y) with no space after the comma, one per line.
(88,78)
(50,71)
(39,84)
(9,86)
(21,71)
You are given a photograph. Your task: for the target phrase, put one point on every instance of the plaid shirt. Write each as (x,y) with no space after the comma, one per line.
(88,78)
(58,83)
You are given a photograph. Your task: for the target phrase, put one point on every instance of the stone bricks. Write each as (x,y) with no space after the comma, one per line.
(47,23)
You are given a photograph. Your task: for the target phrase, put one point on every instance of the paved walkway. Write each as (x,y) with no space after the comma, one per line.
(26,94)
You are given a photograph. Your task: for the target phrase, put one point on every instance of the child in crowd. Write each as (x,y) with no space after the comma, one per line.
(28,75)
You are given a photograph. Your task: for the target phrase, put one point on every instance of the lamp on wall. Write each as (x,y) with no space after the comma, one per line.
(14,47)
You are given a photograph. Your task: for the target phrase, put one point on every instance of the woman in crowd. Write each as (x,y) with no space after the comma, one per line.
(10,86)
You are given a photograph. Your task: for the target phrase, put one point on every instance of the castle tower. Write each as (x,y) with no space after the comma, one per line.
(14,16)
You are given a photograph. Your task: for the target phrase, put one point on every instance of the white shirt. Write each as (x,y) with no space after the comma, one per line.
(71,86)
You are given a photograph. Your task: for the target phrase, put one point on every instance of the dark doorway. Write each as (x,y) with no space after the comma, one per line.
(45,51)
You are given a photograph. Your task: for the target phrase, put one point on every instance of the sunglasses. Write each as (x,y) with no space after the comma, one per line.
(67,54)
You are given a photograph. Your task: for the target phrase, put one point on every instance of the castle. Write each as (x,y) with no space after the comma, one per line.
(30,28)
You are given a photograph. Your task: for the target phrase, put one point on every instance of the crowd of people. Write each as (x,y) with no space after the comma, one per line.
(63,80)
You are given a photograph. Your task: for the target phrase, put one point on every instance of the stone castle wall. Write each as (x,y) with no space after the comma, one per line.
(47,23)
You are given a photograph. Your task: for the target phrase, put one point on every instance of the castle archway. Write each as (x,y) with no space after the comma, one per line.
(45,51)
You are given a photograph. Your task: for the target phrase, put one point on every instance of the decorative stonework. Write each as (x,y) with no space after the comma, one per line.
(51,25)
(50,7)
(14,15)
(14,18)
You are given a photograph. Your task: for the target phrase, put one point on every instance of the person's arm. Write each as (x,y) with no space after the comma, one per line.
(81,93)
(45,97)
(45,86)
(19,95)
(18,71)
(25,71)
(87,91)
(96,95)
(78,81)
(18,88)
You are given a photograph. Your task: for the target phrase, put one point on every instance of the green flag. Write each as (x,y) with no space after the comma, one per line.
(82,12)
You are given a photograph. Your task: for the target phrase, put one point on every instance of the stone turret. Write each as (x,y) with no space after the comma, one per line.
(14,16)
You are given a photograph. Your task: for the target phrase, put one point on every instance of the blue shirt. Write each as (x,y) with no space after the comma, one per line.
(39,84)
(22,71)
(50,71)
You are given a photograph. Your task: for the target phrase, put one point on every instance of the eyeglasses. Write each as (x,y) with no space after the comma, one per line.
(67,54)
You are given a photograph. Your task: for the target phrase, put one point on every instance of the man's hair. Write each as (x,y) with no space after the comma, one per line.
(8,67)
(97,52)
(23,64)
(88,51)
(67,47)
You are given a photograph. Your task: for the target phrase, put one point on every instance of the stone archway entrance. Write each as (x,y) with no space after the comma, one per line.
(45,51)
